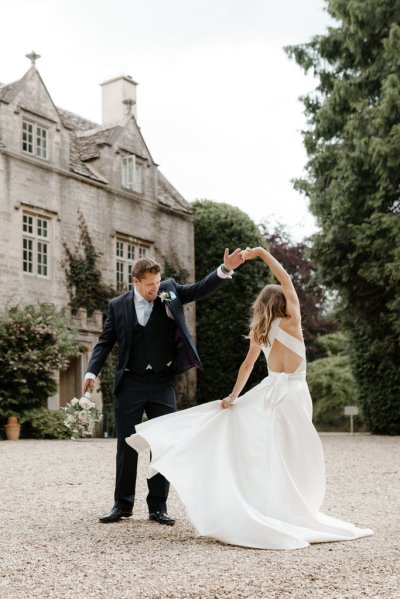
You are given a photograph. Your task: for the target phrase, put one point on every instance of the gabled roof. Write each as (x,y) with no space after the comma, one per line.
(10,90)
(85,139)
(74,121)
(89,142)
(168,196)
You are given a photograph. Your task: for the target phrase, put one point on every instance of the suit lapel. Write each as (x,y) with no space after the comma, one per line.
(130,317)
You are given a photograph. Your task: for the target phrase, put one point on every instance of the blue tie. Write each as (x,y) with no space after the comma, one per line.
(148,306)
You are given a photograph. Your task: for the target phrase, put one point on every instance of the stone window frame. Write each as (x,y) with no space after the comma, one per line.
(128,249)
(36,242)
(32,135)
(132,172)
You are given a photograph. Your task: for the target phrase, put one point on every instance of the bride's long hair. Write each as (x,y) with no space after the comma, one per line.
(269,304)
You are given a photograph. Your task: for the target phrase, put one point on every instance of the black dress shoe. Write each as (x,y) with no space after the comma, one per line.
(161,517)
(116,514)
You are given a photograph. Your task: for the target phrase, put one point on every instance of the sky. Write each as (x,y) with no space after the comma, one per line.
(217,100)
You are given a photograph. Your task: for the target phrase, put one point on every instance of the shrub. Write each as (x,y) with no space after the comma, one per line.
(34,342)
(332,386)
(41,423)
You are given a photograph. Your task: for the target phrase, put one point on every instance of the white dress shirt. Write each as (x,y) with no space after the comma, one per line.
(140,306)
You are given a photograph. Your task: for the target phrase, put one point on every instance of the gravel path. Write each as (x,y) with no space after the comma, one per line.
(52,546)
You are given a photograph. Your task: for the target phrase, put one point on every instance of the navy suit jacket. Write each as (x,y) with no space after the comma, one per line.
(121,318)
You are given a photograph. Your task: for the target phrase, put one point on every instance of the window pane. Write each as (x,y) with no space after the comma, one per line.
(41,142)
(120,249)
(130,280)
(131,251)
(27,255)
(27,223)
(128,167)
(42,258)
(138,178)
(27,137)
(142,252)
(42,228)
(120,275)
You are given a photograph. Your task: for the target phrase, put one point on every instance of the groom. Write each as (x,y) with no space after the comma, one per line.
(154,342)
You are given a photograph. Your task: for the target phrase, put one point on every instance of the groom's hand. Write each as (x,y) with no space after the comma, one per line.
(88,383)
(232,261)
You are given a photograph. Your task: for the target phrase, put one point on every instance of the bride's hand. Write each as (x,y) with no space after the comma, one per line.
(249,253)
(227,402)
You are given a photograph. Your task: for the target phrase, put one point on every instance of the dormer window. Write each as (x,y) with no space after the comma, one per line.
(34,139)
(132,177)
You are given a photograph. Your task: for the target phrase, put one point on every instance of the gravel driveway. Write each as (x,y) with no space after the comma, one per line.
(52,546)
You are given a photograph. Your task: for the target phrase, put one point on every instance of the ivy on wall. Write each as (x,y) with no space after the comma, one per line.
(84,279)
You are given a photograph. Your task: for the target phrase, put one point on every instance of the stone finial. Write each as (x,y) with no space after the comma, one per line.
(33,57)
(129,104)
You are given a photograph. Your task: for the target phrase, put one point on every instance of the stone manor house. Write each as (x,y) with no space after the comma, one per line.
(56,165)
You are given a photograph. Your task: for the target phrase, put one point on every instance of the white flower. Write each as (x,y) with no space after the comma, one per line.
(81,415)
(85,403)
(84,417)
(164,296)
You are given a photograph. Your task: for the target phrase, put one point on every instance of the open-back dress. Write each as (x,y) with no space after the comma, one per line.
(253,474)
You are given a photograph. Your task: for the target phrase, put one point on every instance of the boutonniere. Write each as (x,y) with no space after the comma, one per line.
(166,296)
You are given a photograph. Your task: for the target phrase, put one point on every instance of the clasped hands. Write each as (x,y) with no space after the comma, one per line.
(232,261)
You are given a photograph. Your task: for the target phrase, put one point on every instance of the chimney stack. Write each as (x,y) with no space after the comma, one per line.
(118,99)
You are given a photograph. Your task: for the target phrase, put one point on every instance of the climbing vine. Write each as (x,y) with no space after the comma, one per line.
(84,279)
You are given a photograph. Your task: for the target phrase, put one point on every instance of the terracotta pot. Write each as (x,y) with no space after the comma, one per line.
(13,428)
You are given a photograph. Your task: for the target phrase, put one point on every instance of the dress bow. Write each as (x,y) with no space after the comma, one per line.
(276,389)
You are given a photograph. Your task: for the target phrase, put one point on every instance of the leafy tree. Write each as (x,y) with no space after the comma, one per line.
(332,385)
(295,258)
(84,278)
(353,147)
(34,342)
(223,318)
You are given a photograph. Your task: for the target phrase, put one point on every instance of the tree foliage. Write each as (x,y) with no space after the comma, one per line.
(353,146)
(223,318)
(332,385)
(295,258)
(84,279)
(34,343)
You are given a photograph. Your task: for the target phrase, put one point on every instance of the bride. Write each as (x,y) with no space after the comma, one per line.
(250,468)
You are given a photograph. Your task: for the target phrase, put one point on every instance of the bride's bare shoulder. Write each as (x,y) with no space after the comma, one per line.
(292,327)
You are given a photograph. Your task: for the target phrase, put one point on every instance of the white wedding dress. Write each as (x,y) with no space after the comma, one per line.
(253,474)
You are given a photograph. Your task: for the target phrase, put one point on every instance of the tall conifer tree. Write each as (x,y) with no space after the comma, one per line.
(353,184)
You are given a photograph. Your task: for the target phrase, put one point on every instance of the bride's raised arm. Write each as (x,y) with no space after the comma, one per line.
(292,301)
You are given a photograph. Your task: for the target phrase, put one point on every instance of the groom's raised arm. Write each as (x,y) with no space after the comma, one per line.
(211,282)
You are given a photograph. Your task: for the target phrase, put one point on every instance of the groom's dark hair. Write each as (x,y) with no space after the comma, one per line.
(144,265)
